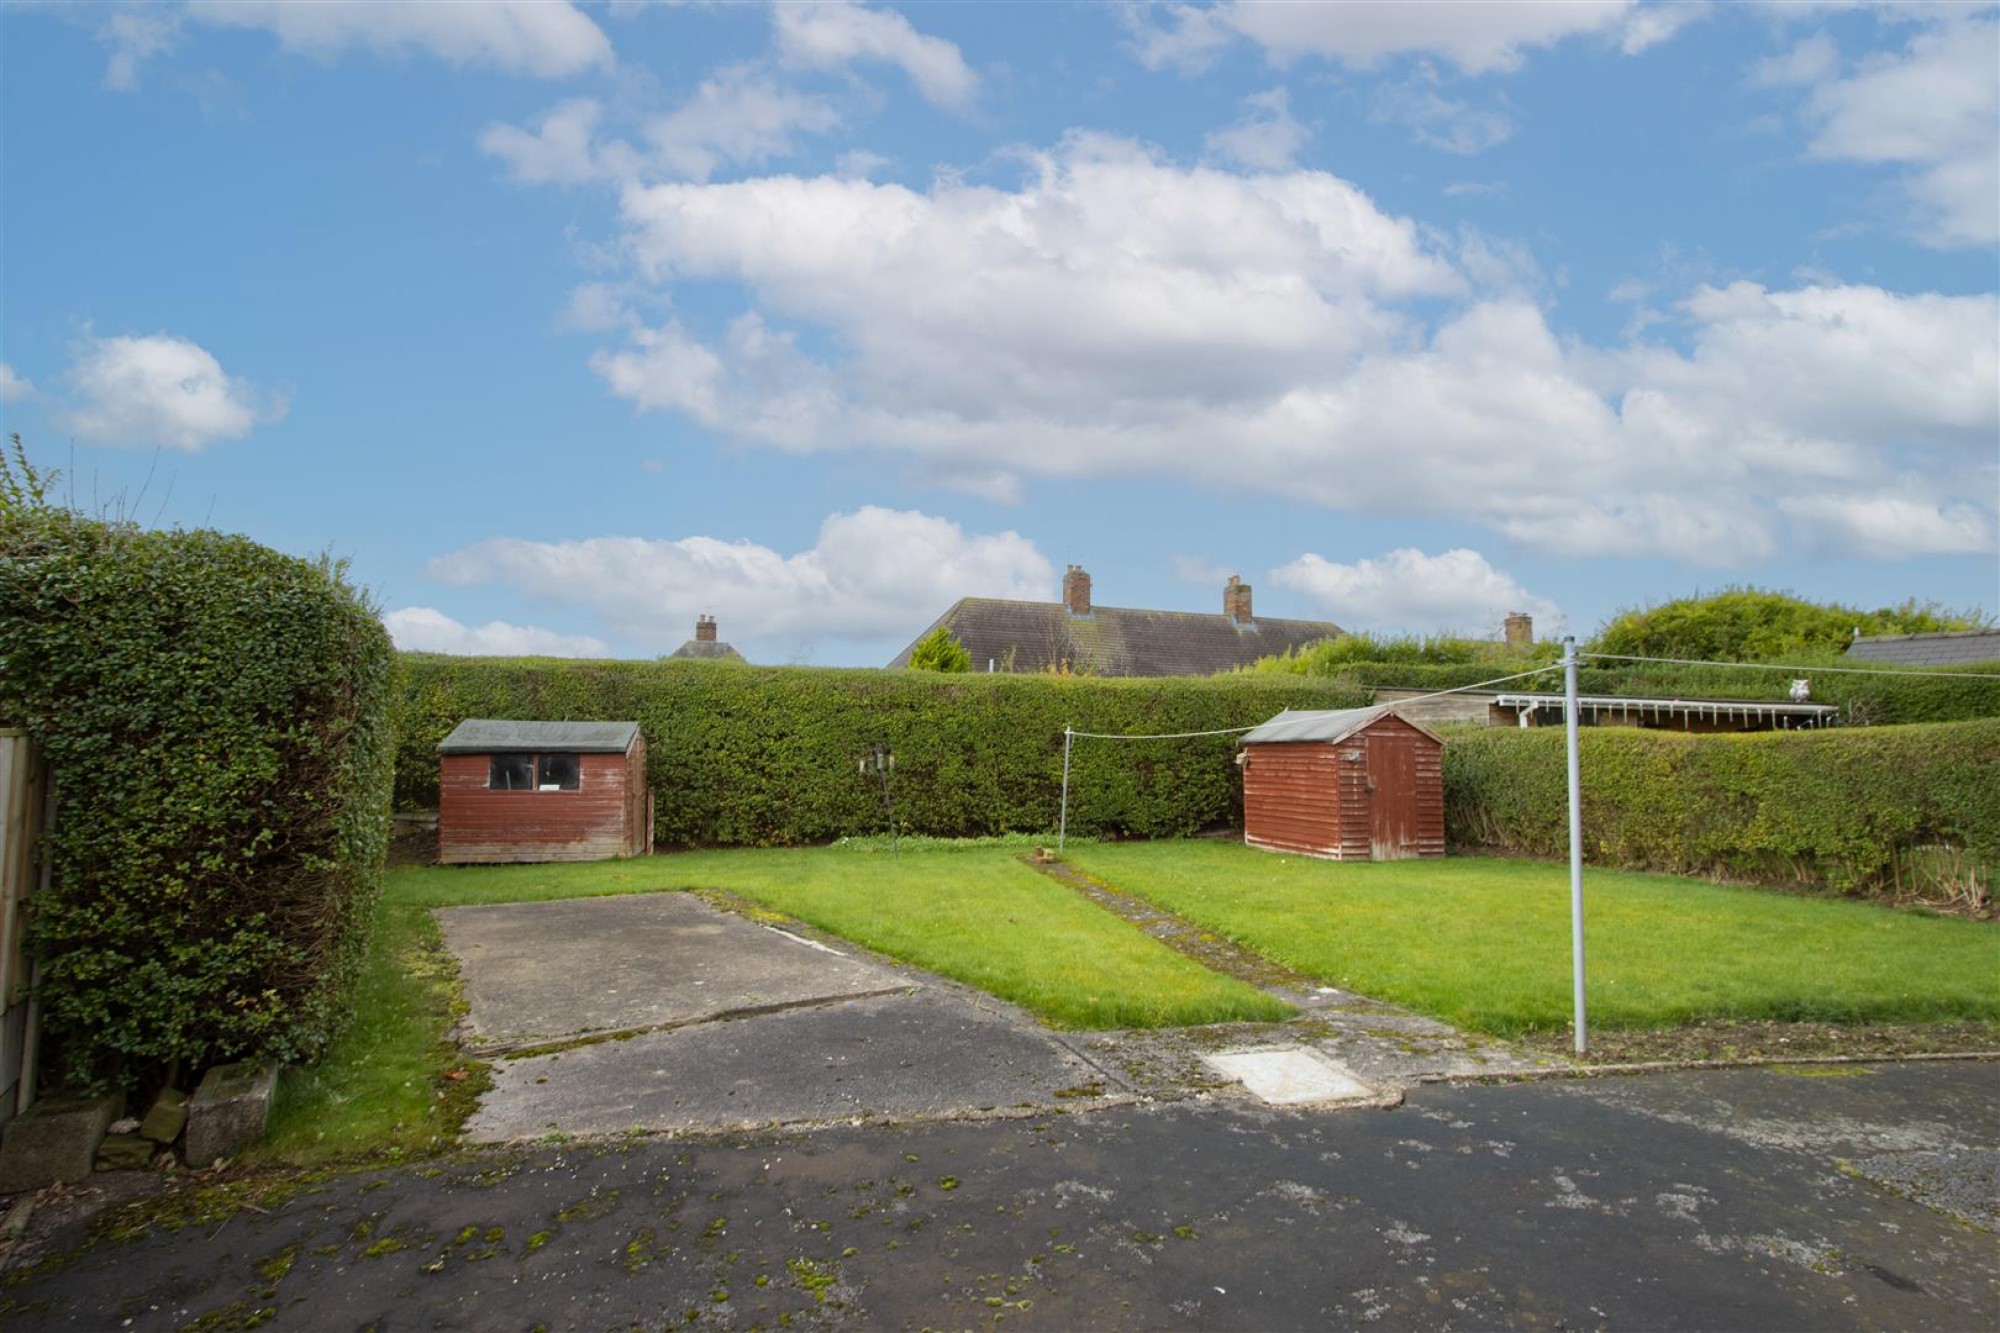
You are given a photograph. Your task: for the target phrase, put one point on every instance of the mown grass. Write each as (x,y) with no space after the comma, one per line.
(386,1086)
(979,916)
(1485,943)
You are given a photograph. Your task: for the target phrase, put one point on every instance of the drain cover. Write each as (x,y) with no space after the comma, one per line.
(1291,1076)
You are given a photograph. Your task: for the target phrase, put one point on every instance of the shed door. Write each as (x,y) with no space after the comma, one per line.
(1392,798)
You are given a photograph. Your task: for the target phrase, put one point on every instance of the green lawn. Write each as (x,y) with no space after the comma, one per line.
(981,917)
(1485,943)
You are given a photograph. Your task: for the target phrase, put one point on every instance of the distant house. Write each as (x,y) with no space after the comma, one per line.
(1115,640)
(704,644)
(1951,648)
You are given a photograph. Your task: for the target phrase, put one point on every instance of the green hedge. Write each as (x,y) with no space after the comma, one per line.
(1902,697)
(767,755)
(1835,807)
(215,718)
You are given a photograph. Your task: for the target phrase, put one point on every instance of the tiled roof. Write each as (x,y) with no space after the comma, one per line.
(1114,640)
(720,652)
(1951,648)
(478,735)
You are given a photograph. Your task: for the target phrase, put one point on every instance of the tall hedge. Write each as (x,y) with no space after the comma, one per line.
(767,755)
(215,717)
(1834,807)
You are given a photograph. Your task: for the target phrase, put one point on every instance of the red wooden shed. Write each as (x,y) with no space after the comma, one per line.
(1352,784)
(543,791)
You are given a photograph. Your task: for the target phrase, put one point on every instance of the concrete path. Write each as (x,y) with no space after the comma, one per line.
(720,1022)
(1766,1199)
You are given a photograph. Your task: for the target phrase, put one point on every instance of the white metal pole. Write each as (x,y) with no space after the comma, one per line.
(1570,712)
(1062,830)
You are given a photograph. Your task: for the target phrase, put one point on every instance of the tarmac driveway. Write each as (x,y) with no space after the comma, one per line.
(660,1012)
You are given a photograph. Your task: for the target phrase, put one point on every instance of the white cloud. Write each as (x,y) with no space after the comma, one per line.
(737,116)
(161,390)
(1437,121)
(13,386)
(1361,34)
(558,151)
(832,34)
(422,629)
(543,38)
(1935,108)
(1811,60)
(1411,592)
(1116,314)
(135,35)
(1266,138)
(873,574)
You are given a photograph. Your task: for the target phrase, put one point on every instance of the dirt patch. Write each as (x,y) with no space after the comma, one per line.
(1722,1040)
(413,842)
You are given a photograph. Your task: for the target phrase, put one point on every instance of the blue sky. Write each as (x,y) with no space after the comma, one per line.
(568,323)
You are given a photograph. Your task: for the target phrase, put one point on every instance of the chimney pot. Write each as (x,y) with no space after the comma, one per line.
(1076,591)
(704,629)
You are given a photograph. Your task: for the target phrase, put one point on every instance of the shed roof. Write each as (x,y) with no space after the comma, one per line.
(478,735)
(1947,648)
(1324,724)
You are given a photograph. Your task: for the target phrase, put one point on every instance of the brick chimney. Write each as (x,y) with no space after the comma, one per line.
(1520,630)
(1236,600)
(1076,591)
(704,629)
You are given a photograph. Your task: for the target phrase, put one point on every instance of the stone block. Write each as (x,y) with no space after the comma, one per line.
(163,1124)
(125,1152)
(229,1111)
(54,1140)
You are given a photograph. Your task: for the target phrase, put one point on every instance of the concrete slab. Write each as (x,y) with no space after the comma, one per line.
(905,1055)
(1293,1076)
(542,972)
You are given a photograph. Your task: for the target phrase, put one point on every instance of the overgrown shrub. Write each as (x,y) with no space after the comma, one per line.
(1837,807)
(214,715)
(767,755)
(1756,625)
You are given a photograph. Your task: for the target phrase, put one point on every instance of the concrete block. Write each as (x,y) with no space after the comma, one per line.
(56,1139)
(163,1124)
(125,1152)
(229,1111)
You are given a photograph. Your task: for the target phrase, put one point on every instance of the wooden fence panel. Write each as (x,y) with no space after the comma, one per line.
(23,798)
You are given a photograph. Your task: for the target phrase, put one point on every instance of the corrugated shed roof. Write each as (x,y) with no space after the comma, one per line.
(1948,648)
(1323,724)
(477,735)
(1114,640)
(710,649)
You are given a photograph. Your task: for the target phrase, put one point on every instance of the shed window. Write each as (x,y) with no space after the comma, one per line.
(511,772)
(533,772)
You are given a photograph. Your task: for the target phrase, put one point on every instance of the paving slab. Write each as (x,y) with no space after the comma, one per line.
(904,1056)
(541,972)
